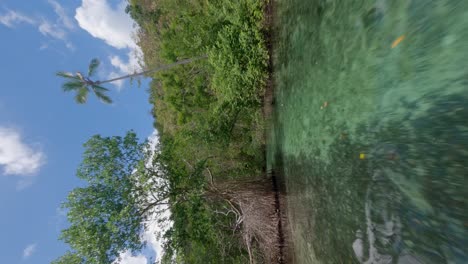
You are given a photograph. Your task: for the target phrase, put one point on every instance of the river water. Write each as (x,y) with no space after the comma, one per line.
(370,132)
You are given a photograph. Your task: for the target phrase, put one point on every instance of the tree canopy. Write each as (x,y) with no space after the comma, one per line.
(106,215)
(127,185)
(69,258)
(83,85)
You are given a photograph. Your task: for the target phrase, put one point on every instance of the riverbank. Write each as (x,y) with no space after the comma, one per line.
(210,118)
(284,246)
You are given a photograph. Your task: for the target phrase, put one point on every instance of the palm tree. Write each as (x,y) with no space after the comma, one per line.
(83,85)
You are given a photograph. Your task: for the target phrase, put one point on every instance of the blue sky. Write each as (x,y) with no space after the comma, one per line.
(41,128)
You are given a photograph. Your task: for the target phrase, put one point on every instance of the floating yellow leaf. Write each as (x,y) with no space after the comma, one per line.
(362,156)
(397,41)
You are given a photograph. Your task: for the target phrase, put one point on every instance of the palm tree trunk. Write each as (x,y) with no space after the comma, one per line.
(164,67)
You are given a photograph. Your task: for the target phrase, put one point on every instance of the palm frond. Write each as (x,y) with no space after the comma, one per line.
(71,86)
(100,88)
(93,65)
(103,97)
(67,75)
(81,95)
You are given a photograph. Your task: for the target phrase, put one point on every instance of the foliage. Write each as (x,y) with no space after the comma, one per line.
(207,109)
(105,216)
(197,235)
(209,117)
(82,85)
(128,184)
(69,258)
(238,55)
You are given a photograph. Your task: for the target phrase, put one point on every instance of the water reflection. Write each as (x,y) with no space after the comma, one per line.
(371,129)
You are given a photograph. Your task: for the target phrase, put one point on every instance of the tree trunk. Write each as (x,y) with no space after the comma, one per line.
(164,67)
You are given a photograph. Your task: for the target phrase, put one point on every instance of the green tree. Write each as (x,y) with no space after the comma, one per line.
(69,258)
(82,85)
(107,215)
(129,184)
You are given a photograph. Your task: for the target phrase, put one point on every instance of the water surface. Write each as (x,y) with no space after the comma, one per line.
(371,129)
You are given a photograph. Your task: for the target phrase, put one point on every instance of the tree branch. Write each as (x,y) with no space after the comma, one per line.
(153,204)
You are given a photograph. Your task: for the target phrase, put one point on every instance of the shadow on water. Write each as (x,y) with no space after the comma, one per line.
(371,129)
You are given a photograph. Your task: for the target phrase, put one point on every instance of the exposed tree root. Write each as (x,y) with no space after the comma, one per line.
(259,217)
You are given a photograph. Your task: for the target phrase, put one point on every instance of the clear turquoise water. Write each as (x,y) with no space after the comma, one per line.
(371,134)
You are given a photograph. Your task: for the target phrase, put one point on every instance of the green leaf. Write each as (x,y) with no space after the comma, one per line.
(71,86)
(101,96)
(100,88)
(67,75)
(82,95)
(93,65)
(105,215)
(69,258)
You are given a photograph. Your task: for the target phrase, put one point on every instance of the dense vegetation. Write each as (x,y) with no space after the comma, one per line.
(129,183)
(209,109)
(208,166)
(214,103)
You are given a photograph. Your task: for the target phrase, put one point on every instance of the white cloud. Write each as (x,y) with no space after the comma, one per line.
(121,67)
(17,158)
(119,84)
(56,30)
(153,234)
(102,21)
(116,28)
(59,29)
(29,250)
(44,46)
(24,183)
(126,67)
(52,30)
(154,229)
(70,45)
(127,258)
(63,18)
(11,18)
